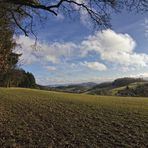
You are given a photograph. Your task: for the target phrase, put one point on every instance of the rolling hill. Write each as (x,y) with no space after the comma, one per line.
(136,87)
(35,118)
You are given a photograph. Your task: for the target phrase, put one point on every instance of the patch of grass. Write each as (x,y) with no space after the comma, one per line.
(132,85)
(33,118)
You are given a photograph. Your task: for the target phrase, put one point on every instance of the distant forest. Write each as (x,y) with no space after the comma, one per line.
(17,78)
(119,87)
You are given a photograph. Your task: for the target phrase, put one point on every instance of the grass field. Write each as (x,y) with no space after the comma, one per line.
(33,118)
(132,85)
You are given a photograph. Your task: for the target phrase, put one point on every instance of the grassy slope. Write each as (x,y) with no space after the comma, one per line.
(132,85)
(33,118)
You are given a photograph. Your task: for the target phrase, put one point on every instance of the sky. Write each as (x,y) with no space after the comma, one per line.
(69,51)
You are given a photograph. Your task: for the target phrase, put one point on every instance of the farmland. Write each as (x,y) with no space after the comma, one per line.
(34,118)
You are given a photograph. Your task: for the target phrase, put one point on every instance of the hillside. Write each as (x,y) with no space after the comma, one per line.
(132,89)
(117,88)
(75,88)
(34,118)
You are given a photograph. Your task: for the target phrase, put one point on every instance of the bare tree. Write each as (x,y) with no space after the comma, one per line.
(98,11)
(18,10)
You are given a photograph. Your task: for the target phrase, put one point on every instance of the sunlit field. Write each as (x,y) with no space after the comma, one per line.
(34,118)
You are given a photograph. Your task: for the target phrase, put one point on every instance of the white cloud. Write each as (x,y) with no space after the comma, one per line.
(50,68)
(54,52)
(140,75)
(115,48)
(95,66)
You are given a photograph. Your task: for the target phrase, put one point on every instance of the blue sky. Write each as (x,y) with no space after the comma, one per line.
(70,52)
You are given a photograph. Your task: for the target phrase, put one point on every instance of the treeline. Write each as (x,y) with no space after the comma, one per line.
(10,74)
(125,81)
(140,90)
(17,78)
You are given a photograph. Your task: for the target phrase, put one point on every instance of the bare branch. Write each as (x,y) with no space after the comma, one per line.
(98,10)
(17,23)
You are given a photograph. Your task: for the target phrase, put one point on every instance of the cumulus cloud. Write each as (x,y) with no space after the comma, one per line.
(95,66)
(111,47)
(115,48)
(43,52)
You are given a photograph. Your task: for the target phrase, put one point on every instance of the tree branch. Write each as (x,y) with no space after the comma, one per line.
(17,23)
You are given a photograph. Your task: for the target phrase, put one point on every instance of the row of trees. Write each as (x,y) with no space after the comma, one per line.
(18,78)
(10,74)
(138,91)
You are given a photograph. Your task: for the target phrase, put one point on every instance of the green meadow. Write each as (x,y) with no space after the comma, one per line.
(34,118)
